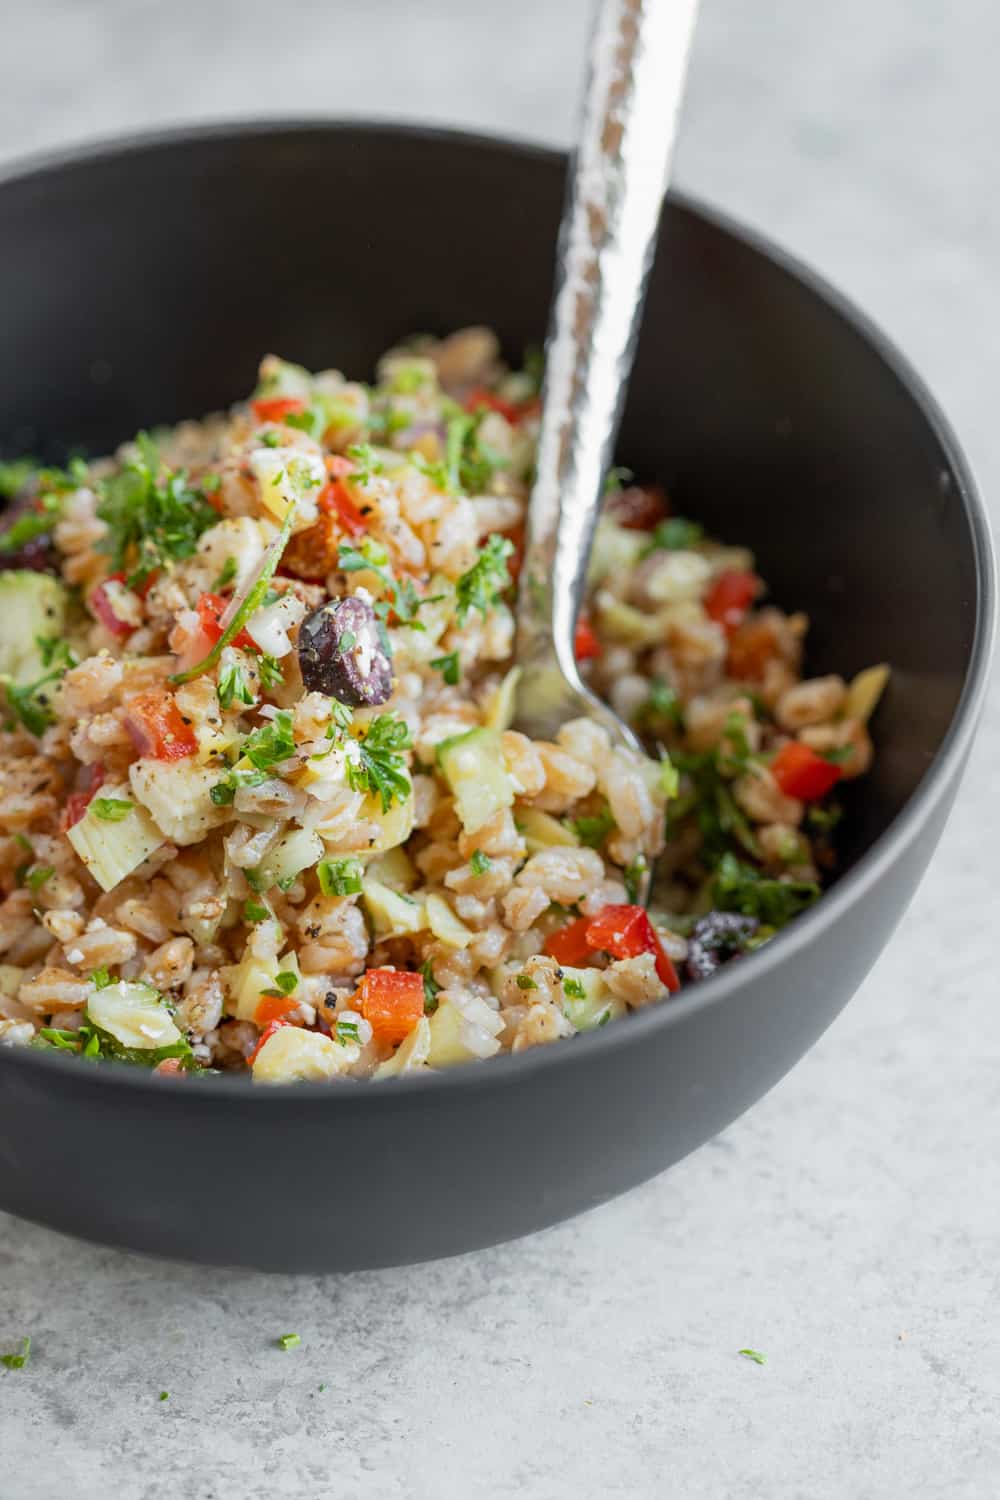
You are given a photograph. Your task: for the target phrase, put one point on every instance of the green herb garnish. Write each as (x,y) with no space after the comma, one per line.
(431,989)
(154,517)
(480,588)
(574,988)
(480,862)
(289,1341)
(755,1355)
(593,830)
(234,686)
(18,1360)
(339,877)
(739,887)
(381,768)
(255,911)
(525,982)
(675,535)
(37,877)
(449,668)
(227,576)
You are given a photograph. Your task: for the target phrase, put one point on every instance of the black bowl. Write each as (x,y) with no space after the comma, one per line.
(139,284)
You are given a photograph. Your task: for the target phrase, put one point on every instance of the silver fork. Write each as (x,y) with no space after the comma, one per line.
(638,58)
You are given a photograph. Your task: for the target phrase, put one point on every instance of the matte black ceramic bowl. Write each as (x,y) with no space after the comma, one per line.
(140,283)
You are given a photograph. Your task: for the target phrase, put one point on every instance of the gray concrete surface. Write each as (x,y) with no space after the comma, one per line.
(849,1226)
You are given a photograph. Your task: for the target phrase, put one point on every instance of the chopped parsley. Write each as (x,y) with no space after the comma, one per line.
(449,668)
(347,1030)
(366,462)
(381,768)
(30,703)
(481,587)
(574,988)
(289,1341)
(37,877)
(286,981)
(101,978)
(18,1360)
(401,597)
(339,877)
(153,515)
(593,830)
(755,1355)
(110,809)
(255,911)
(480,862)
(617,477)
(663,705)
(431,988)
(633,876)
(271,672)
(14,475)
(234,686)
(164,1395)
(525,982)
(271,744)
(739,887)
(675,535)
(719,818)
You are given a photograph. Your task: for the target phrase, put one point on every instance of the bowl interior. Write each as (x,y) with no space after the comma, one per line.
(143,286)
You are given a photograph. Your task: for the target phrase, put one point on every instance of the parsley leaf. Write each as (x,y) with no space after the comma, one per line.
(18,1360)
(739,887)
(592,831)
(37,877)
(226,577)
(480,862)
(755,1355)
(525,982)
(289,1341)
(574,988)
(675,535)
(233,686)
(431,989)
(449,668)
(633,876)
(154,517)
(271,744)
(480,588)
(380,768)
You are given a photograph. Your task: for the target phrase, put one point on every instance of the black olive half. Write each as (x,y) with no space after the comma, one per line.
(719,936)
(341,654)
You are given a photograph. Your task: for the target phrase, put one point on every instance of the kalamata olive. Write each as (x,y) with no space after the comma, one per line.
(341,654)
(37,554)
(716,937)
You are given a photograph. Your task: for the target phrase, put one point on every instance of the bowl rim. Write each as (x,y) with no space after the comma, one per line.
(509,1070)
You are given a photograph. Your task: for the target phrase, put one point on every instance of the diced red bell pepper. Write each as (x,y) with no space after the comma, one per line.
(729,598)
(803,774)
(639,507)
(336,500)
(392,1002)
(482,398)
(102,604)
(211,608)
(265,1036)
(273,1008)
(586,646)
(276,408)
(624,932)
(569,945)
(78,802)
(157,727)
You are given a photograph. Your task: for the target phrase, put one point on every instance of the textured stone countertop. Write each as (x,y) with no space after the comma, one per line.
(849,1225)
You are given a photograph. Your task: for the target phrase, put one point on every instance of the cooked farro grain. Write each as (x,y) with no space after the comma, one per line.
(239,833)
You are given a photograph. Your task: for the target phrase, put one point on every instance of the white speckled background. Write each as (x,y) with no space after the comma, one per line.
(850,1225)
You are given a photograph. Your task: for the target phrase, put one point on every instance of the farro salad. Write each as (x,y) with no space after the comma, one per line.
(261,806)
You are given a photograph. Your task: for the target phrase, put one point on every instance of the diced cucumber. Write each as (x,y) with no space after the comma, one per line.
(410,1055)
(393,827)
(542,831)
(292,1055)
(256,970)
(474,768)
(395,869)
(391,914)
(297,851)
(595,1006)
(31,605)
(500,708)
(135,1023)
(461,1035)
(444,924)
(111,851)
